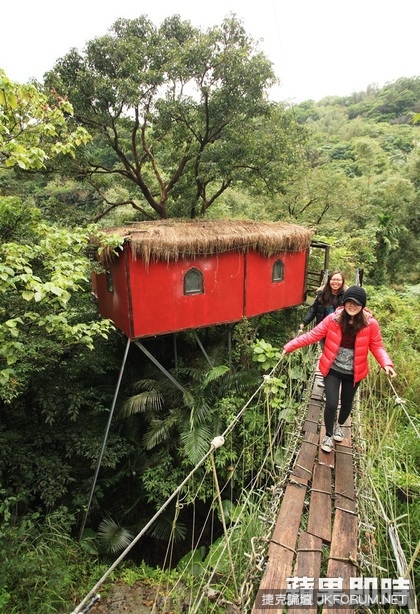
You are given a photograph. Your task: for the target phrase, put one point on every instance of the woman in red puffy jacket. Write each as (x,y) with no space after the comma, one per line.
(348,335)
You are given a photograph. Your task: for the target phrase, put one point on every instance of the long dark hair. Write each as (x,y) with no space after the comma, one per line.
(327,298)
(359,322)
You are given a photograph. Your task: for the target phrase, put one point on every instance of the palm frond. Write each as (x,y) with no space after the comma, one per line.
(200,412)
(188,398)
(165,528)
(112,536)
(144,384)
(149,400)
(196,442)
(242,380)
(215,373)
(159,431)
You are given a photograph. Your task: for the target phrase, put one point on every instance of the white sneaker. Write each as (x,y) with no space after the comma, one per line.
(338,434)
(327,444)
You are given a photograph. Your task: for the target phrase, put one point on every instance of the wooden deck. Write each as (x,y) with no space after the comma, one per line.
(315,536)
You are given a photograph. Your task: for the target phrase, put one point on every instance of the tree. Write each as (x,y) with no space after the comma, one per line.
(178,115)
(32,129)
(386,236)
(320,199)
(396,101)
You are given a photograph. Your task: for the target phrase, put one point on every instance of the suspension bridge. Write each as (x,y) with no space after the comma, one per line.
(317,517)
(313,529)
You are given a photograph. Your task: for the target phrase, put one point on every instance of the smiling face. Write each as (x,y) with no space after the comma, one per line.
(336,282)
(352,308)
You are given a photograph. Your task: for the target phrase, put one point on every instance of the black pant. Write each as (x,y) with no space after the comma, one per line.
(333,381)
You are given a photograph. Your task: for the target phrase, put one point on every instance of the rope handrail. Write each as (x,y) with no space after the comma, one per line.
(400,558)
(392,525)
(376,502)
(402,402)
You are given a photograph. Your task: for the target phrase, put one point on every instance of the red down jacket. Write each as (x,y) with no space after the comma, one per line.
(368,338)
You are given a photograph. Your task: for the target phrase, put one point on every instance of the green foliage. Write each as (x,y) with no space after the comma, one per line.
(193,562)
(161,479)
(265,355)
(274,387)
(398,313)
(394,103)
(49,371)
(245,524)
(187,421)
(243,338)
(361,185)
(43,568)
(168,527)
(391,426)
(31,129)
(4,599)
(40,282)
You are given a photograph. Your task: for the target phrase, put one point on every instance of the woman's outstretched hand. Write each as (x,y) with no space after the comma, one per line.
(390,371)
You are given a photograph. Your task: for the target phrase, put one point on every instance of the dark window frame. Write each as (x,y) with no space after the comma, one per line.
(197,284)
(275,275)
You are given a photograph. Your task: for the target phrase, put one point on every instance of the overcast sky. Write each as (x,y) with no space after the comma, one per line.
(318,47)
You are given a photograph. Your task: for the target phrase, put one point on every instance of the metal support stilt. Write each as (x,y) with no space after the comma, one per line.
(159,366)
(206,356)
(105,439)
(229,341)
(175,352)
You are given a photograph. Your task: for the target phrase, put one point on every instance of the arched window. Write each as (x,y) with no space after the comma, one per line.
(278,271)
(193,282)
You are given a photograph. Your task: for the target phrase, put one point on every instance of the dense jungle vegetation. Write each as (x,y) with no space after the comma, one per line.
(153,122)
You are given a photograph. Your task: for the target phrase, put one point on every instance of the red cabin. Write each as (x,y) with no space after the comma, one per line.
(173,275)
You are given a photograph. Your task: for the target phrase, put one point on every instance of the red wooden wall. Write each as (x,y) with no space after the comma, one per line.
(262,294)
(146,301)
(160,306)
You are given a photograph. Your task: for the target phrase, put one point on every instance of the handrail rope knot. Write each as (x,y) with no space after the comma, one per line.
(217,442)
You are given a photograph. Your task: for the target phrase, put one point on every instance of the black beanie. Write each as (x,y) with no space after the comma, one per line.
(356,294)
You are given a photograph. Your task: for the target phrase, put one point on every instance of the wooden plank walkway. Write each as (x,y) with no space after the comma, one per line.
(315,536)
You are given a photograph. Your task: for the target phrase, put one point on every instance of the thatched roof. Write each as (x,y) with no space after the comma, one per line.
(171,240)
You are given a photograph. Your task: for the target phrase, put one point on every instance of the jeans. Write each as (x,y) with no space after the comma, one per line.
(332,382)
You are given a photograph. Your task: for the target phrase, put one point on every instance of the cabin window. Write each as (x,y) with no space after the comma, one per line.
(109,282)
(193,282)
(278,271)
